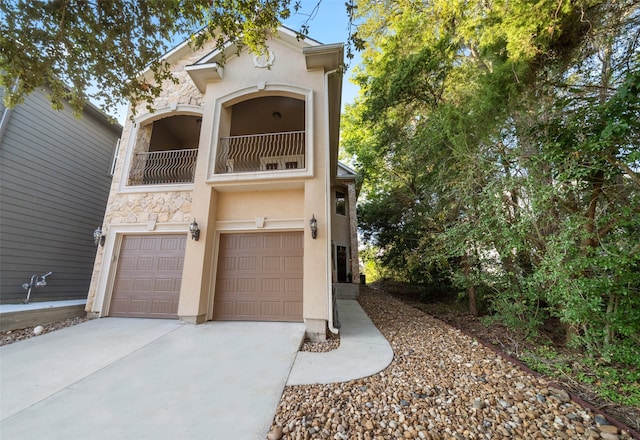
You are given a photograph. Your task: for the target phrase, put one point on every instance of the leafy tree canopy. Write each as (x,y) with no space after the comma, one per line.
(89,49)
(499,146)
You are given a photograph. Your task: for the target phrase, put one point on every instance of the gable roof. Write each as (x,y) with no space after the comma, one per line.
(318,56)
(345,172)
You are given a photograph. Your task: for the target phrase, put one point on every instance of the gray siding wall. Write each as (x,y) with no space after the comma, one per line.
(54,184)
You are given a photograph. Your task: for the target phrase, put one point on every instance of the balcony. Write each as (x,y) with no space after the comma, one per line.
(163,167)
(261,152)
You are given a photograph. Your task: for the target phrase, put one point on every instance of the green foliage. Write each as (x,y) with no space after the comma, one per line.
(499,147)
(70,46)
(611,382)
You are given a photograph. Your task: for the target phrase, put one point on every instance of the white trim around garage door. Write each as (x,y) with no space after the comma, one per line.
(112,251)
(257,225)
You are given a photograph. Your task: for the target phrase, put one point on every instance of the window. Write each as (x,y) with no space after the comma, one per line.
(114,161)
(341,203)
(292,162)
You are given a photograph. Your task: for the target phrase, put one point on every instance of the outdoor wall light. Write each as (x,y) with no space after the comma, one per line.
(195,230)
(313,225)
(98,237)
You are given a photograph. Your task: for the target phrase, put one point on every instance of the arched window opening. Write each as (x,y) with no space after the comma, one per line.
(166,151)
(265,134)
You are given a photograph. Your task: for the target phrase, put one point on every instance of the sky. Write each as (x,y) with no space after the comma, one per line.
(327,24)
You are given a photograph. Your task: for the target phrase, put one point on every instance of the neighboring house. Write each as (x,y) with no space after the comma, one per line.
(55,175)
(249,152)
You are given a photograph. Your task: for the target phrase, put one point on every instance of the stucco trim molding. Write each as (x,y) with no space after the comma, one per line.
(266,224)
(172,109)
(113,242)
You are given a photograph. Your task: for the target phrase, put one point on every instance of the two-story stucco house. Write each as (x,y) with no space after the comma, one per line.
(228,201)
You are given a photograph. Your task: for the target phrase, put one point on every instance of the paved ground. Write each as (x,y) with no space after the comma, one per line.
(119,378)
(146,379)
(363,351)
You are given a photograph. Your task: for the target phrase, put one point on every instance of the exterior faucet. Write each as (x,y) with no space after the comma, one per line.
(43,279)
(34,282)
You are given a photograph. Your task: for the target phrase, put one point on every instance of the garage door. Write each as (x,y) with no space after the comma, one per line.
(148,277)
(259,277)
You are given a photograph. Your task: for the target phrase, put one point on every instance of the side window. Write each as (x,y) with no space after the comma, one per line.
(341,203)
(114,161)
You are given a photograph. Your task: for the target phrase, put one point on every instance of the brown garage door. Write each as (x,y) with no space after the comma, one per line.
(148,277)
(259,277)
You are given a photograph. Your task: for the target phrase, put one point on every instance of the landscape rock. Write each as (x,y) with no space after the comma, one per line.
(440,385)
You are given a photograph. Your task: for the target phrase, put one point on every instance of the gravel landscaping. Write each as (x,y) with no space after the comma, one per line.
(441,384)
(11,336)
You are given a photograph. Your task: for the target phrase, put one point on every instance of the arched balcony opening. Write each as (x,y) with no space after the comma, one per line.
(166,151)
(262,134)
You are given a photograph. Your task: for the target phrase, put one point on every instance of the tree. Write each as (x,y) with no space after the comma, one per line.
(84,49)
(500,144)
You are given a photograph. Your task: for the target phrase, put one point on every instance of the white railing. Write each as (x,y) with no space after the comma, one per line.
(162,167)
(261,152)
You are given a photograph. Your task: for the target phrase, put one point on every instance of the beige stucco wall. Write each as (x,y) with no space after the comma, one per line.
(268,204)
(307,199)
(295,200)
(340,223)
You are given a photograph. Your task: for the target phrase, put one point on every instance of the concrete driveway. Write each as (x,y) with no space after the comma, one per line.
(128,378)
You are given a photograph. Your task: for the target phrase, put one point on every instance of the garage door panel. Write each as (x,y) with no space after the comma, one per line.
(163,307)
(293,264)
(293,285)
(148,243)
(141,285)
(227,263)
(271,308)
(292,309)
(293,242)
(145,263)
(164,285)
(172,243)
(127,263)
(272,242)
(247,285)
(271,263)
(246,308)
(247,242)
(148,277)
(169,263)
(246,263)
(268,277)
(137,306)
(271,285)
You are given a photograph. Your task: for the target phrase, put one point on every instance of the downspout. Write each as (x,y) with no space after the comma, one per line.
(6,114)
(327,153)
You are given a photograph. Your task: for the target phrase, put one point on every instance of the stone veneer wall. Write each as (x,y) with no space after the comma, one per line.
(160,207)
(141,208)
(145,207)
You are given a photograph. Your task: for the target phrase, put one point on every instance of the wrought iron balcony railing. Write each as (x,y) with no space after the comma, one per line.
(163,167)
(261,152)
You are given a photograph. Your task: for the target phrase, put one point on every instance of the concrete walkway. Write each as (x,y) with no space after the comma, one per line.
(363,351)
(160,379)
